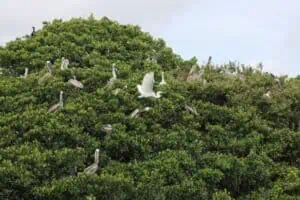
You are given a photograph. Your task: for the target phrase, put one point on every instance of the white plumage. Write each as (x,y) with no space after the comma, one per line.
(25,74)
(76,83)
(146,89)
(92,169)
(48,74)
(59,105)
(162,82)
(64,63)
(114,75)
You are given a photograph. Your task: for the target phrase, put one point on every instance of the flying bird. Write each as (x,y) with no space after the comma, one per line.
(75,82)
(146,89)
(162,82)
(48,74)
(92,169)
(59,105)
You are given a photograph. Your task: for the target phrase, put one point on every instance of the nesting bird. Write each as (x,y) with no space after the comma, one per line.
(59,105)
(107,128)
(146,89)
(76,83)
(92,169)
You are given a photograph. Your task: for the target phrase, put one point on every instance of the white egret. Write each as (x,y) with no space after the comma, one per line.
(146,89)
(114,75)
(92,169)
(192,110)
(75,82)
(137,112)
(64,63)
(107,128)
(25,74)
(48,74)
(162,82)
(59,105)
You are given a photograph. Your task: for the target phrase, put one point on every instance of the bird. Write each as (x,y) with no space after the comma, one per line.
(107,128)
(59,105)
(48,74)
(162,82)
(76,83)
(194,73)
(114,75)
(33,31)
(146,89)
(25,74)
(267,95)
(192,110)
(64,63)
(92,169)
(137,112)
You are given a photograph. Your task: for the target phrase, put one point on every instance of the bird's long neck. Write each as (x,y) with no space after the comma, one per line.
(26,72)
(49,68)
(97,156)
(61,103)
(162,77)
(114,72)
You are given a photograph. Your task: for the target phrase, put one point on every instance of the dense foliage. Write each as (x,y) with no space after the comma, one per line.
(241,145)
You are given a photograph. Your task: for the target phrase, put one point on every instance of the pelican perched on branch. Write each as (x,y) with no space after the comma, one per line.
(48,74)
(92,169)
(162,82)
(59,105)
(75,82)
(146,89)
(25,74)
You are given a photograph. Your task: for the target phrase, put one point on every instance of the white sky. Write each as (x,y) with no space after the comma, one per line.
(248,31)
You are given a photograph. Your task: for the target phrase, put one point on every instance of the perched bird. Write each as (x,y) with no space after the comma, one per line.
(137,112)
(59,105)
(162,82)
(25,74)
(107,128)
(114,75)
(64,63)
(267,95)
(33,31)
(146,89)
(192,110)
(48,74)
(194,73)
(92,169)
(75,82)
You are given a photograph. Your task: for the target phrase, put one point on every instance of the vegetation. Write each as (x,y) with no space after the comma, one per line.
(242,144)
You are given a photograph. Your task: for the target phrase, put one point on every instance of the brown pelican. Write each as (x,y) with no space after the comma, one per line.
(92,169)
(162,82)
(146,89)
(59,105)
(75,82)
(48,74)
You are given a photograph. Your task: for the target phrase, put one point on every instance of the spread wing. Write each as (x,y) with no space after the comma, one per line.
(148,81)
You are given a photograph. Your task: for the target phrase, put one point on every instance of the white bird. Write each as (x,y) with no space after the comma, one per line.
(48,74)
(64,63)
(25,74)
(92,169)
(59,105)
(107,128)
(162,82)
(146,89)
(194,73)
(192,110)
(114,75)
(75,82)
(137,112)
(267,95)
